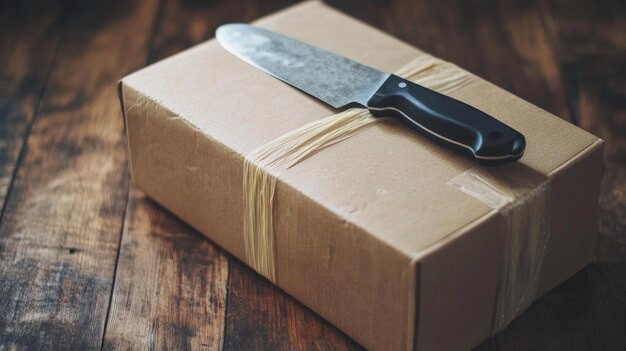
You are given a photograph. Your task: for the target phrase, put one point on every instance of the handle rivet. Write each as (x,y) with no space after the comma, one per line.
(402,85)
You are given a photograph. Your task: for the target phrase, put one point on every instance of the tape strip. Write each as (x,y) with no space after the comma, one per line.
(522,198)
(265,164)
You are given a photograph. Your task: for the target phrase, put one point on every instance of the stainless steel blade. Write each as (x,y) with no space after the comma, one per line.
(334,79)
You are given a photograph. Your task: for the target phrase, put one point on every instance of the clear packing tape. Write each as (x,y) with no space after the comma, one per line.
(520,197)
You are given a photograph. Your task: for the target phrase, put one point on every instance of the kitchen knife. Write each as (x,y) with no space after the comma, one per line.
(341,82)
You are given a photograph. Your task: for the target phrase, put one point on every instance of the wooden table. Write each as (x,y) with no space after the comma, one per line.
(87,262)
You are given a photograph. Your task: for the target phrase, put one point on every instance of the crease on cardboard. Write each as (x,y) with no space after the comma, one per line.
(522,198)
(133,100)
(146,103)
(263,166)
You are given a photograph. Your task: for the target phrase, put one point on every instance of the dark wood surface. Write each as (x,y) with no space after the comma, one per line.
(87,262)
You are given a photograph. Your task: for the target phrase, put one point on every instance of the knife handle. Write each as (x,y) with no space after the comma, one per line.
(448,120)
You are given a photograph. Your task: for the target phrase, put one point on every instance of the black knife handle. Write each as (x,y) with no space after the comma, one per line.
(445,119)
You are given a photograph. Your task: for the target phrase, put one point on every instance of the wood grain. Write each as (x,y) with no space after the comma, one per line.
(262,317)
(30,40)
(72,252)
(62,221)
(590,54)
(170,288)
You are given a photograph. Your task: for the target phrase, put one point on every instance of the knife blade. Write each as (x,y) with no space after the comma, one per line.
(342,82)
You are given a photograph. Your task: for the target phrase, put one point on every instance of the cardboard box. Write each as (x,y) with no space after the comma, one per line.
(369,232)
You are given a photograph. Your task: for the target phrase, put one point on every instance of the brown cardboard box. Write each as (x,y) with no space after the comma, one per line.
(368,233)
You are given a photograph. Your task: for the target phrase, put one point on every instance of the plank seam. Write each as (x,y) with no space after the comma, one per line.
(224,333)
(28,130)
(117,260)
(149,59)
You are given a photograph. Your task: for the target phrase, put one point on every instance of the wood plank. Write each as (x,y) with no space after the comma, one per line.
(170,287)
(62,222)
(611,243)
(584,313)
(30,39)
(591,47)
(171,282)
(262,317)
(535,74)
